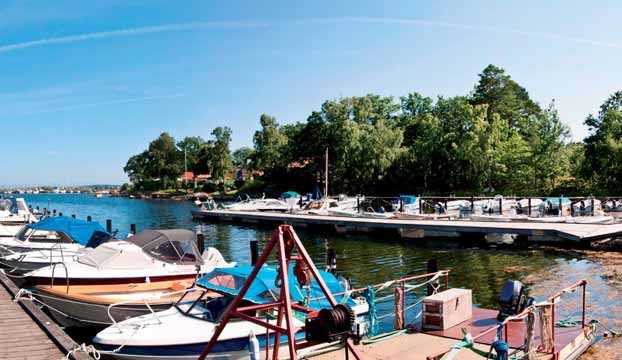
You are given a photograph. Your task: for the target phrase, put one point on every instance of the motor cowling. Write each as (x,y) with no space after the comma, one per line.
(512,300)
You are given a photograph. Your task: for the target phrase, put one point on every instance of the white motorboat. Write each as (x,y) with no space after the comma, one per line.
(498,217)
(183,331)
(50,235)
(452,208)
(408,216)
(343,212)
(150,255)
(551,206)
(522,206)
(15,212)
(602,219)
(584,207)
(614,205)
(268,205)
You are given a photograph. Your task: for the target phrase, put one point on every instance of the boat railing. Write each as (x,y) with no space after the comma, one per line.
(53,265)
(552,300)
(146,303)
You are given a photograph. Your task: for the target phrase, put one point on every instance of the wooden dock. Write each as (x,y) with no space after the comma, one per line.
(535,231)
(28,333)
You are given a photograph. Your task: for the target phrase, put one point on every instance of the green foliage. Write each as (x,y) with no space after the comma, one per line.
(494,140)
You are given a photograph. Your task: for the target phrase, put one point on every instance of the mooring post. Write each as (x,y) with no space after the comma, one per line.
(358,204)
(529,206)
(432,268)
(420,205)
(401,204)
(45,211)
(60,214)
(200,239)
(592,211)
(54,212)
(561,210)
(301,201)
(133,229)
(89,218)
(331,261)
(73,216)
(254,252)
(109,225)
(446,210)
(501,206)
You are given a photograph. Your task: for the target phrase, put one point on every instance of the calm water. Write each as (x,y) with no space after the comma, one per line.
(371,260)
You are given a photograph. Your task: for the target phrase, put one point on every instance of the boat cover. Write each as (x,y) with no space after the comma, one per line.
(174,246)
(290,194)
(555,200)
(87,233)
(263,290)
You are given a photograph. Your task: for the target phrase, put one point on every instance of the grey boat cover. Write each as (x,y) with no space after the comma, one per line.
(175,246)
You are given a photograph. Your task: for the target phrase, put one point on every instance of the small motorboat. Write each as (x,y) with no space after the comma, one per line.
(498,217)
(408,216)
(57,236)
(602,219)
(263,204)
(150,255)
(15,212)
(522,206)
(587,207)
(551,206)
(182,331)
(343,212)
(104,305)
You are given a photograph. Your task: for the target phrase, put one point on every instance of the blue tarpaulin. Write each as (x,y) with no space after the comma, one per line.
(263,289)
(408,199)
(555,200)
(87,233)
(290,194)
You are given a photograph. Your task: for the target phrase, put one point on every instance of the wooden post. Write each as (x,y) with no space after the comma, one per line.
(501,206)
(254,252)
(592,211)
(358,204)
(89,218)
(54,212)
(200,240)
(432,267)
(529,206)
(60,214)
(331,261)
(133,229)
(109,225)
(401,205)
(561,211)
(420,205)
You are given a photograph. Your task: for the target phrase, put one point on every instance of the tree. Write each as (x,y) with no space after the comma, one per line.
(269,144)
(215,157)
(243,157)
(191,145)
(164,159)
(136,167)
(504,96)
(603,147)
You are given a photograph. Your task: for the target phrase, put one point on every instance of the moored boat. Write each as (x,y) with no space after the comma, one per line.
(150,255)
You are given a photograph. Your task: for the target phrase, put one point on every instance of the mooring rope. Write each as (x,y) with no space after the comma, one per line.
(88,349)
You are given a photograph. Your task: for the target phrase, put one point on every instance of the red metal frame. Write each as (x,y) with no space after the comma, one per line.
(285,240)
(522,315)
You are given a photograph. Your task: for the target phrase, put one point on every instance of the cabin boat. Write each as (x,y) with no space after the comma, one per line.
(103,305)
(587,207)
(522,206)
(182,331)
(50,239)
(267,205)
(551,206)
(150,255)
(15,212)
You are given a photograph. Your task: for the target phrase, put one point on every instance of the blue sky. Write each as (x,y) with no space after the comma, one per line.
(84,86)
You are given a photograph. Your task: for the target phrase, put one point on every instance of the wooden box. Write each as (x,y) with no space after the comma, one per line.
(447,308)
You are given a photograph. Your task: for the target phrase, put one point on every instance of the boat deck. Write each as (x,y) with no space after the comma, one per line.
(569,342)
(26,332)
(536,230)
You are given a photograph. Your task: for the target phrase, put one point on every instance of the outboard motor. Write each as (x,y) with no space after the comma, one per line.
(512,299)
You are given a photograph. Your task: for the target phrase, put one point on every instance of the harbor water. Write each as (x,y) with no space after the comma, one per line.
(372,259)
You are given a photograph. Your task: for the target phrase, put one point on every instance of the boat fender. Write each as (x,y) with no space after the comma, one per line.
(253,347)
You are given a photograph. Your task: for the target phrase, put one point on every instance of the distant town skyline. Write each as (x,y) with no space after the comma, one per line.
(87,85)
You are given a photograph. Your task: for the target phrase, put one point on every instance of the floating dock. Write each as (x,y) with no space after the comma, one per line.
(28,333)
(534,231)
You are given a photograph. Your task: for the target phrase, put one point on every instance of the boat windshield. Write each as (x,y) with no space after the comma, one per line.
(35,235)
(206,307)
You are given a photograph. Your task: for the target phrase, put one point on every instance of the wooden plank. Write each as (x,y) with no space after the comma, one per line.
(564,231)
(32,335)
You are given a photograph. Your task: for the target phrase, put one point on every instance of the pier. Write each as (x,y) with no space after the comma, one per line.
(535,231)
(27,332)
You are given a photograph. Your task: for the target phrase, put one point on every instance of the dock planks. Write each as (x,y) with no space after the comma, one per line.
(26,332)
(560,231)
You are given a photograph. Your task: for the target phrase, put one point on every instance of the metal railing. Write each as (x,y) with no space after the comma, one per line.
(523,315)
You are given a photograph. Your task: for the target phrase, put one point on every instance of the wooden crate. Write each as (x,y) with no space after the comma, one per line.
(447,308)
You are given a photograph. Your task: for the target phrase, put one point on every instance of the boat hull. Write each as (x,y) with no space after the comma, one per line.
(80,313)
(62,280)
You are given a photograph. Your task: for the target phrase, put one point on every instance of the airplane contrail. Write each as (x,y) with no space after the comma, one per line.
(129,32)
(326,20)
(107,102)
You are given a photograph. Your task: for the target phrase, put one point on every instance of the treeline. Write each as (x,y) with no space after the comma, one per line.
(494,140)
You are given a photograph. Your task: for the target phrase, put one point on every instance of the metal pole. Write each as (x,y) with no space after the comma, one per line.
(583,309)
(254,249)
